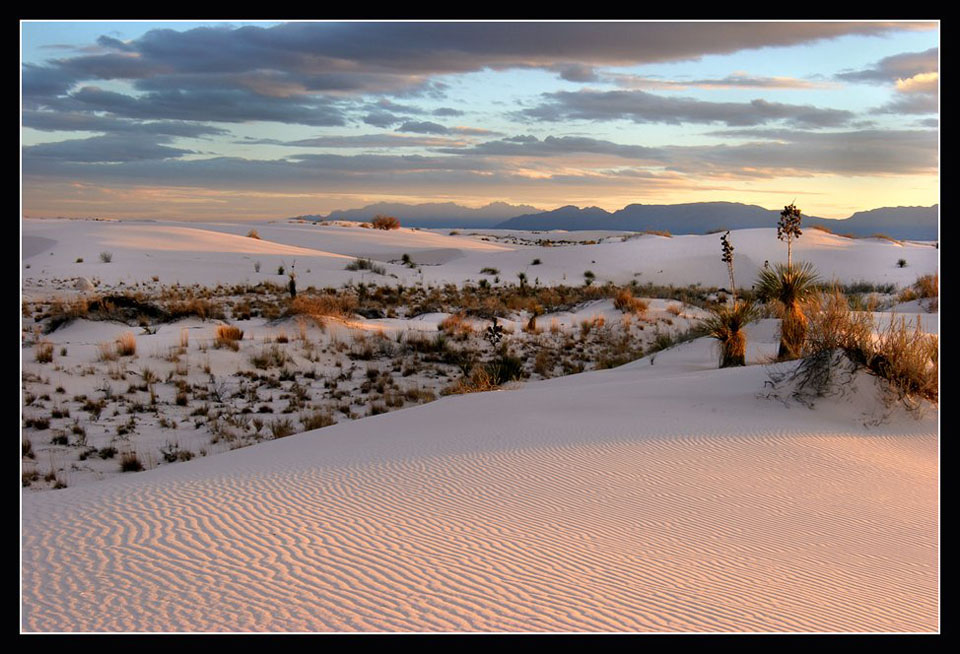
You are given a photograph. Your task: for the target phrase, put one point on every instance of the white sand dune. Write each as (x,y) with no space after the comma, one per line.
(222,253)
(653,497)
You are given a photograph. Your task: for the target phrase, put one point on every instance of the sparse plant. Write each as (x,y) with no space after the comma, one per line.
(901,263)
(126,344)
(385,222)
(228,336)
(788,229)
(130,462)
(43,352)
(253,234)
(106,257)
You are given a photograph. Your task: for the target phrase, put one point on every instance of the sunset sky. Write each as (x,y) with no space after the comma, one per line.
(225,121)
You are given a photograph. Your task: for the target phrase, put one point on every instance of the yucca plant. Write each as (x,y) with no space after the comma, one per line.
(726,324)
(789,287)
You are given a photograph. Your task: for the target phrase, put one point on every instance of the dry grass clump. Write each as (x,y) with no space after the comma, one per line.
(478,381)
(43,352)
(317,420)
(126,344)
(658,232)
(384,222)
(228,336)
(625,301)
(130,462)
(319,307)
(456,325)
(927,286)
(253,234)
(839,340)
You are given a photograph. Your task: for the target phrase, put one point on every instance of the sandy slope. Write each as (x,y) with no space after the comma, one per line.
(654,497)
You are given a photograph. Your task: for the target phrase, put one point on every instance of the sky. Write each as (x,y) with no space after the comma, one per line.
(233,121)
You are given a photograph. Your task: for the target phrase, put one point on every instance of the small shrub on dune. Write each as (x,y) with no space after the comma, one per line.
(130,462)
(127,344)
(253,234)
(281,428)
(228,336)
(726,324)
(839,341)
(384,222)
(106,257)
(627,303)
(44,352)
(927,286)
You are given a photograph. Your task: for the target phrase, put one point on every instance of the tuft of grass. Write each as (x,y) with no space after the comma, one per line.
(129,462)
(366,264)
(43,352)
(282,427)
(253,234)
(625,301)
(126,344)
(228,336)
(106,257)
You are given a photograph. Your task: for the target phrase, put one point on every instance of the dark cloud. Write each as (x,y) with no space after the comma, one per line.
(88,122)
(901,66)
(362,141)
(735,80)
(380,119)
(574,72)
(643,107)
(447,111)
(423,127)
(205,105)
(101,149)
(551,146)
(925,103)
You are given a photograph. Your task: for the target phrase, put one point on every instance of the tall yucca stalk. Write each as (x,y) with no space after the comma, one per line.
(789,286)
(726,323)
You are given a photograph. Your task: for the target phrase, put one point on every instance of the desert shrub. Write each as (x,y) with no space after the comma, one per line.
(106,257)
(489,271)
(126,344)
(840,341)
(456,325)
(384,222)
(726,324)
(478,381)
(130,462)
(317,420)
(320,306)
(253,234)
(625,301)
(366,264)
(281,428)
(43,352)
(927,286)
(228,336)
(901,263)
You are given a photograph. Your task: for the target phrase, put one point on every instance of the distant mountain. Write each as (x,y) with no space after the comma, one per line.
(916,223)
(437,214)
(919,223)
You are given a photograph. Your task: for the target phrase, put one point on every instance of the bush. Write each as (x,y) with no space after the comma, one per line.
(106,257)
(726,323)
(366,264)
(129,462)
(625,301)
(228,336)
(841,341)
(127,344)
(384,222)
(44,352)
(253,234)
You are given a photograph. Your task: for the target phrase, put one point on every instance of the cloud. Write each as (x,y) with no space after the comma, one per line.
(643,107)
(777,152)
(423,127)
(88,122)
(102,149)
(732,81)
(364,141)
(552,146)
(890,69)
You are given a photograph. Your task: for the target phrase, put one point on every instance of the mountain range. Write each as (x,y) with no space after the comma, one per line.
(915,223)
